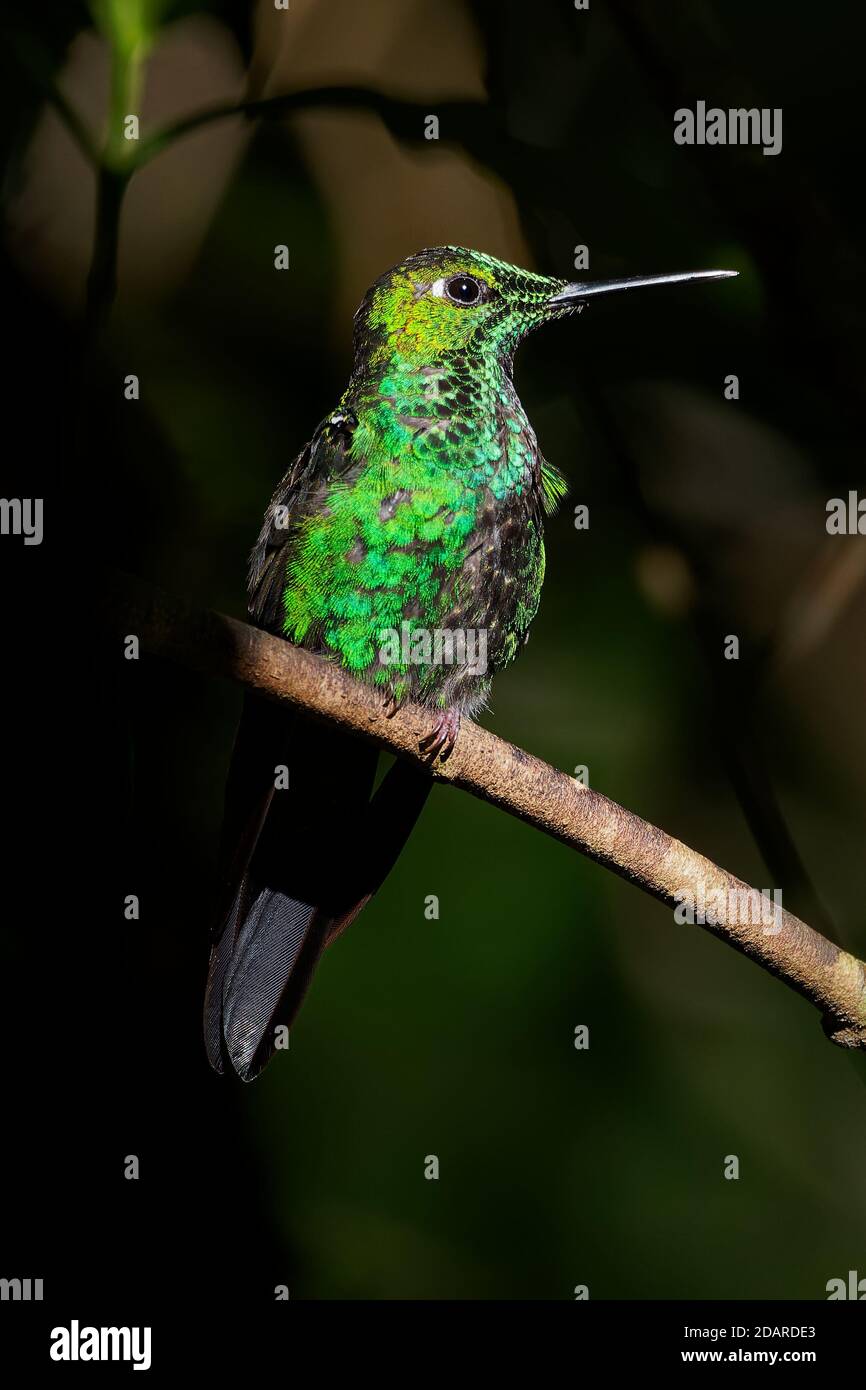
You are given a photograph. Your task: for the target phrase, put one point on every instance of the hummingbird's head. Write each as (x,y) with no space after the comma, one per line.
(449,299)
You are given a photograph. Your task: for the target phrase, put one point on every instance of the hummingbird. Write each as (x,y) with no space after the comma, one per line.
(413,518)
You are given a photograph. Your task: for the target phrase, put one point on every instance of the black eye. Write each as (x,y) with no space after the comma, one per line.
(463,289)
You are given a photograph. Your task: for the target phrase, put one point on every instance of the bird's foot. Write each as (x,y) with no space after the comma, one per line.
(392,703)
(442,737)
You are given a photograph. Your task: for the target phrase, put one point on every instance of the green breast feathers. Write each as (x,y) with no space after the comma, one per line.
(406,541)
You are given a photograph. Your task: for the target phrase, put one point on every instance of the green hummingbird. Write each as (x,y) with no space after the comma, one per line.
(406,544)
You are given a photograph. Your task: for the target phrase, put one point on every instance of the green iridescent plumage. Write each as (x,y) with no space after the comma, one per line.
(417,506)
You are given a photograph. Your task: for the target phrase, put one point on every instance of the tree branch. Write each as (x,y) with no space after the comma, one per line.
(39,68)
(405,119)
(504,776)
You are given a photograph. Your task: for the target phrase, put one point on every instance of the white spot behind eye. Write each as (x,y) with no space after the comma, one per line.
(438,287)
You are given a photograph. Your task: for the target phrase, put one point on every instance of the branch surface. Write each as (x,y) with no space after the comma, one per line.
(503,775)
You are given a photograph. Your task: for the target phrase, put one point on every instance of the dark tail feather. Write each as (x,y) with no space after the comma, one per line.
(391,818)
(275,955)
(301,863)
(221,953)
(262,741)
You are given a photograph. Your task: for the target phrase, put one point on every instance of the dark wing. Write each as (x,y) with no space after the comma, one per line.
(301,492)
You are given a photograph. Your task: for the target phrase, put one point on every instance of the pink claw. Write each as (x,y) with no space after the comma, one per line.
(442,737)
(392,704)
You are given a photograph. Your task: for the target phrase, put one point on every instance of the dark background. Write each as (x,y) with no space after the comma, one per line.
(455,1037)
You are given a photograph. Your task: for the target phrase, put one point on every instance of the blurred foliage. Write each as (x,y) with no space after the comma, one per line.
(129,24)
(454,1037)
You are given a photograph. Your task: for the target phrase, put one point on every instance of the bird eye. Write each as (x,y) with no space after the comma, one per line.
(462,289)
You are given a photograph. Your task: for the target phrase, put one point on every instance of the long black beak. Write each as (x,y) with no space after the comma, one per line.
(573,294)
